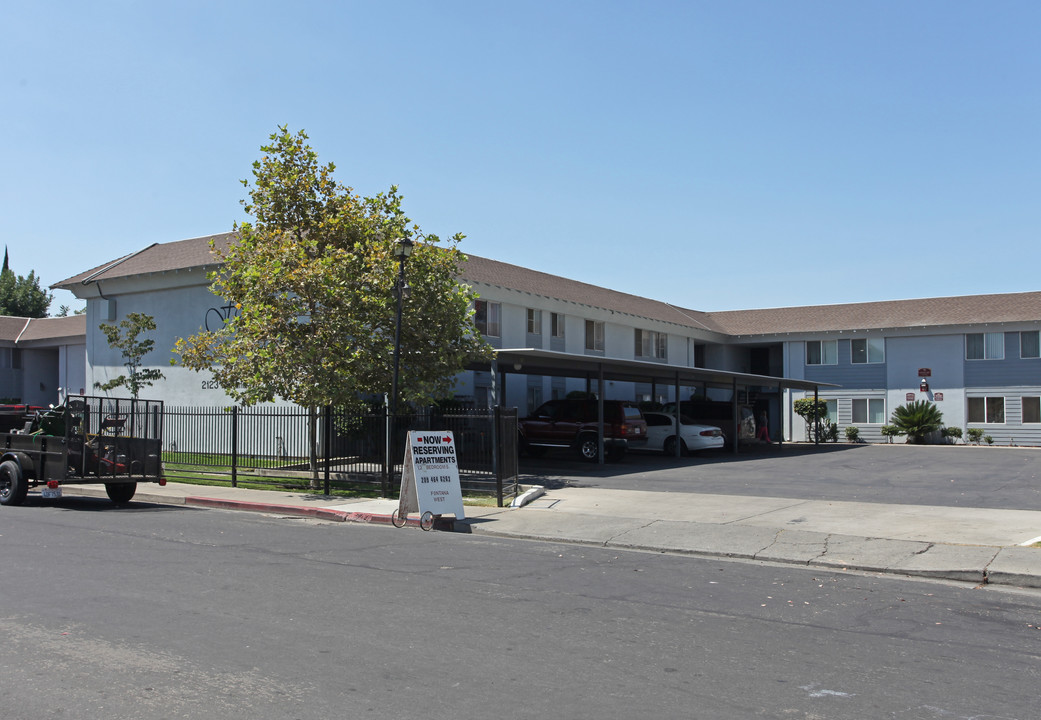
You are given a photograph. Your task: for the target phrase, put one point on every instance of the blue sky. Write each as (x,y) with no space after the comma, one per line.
(716,155)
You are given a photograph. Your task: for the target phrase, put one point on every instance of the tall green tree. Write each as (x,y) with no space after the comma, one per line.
(22,296)
(125,338)
(313,277)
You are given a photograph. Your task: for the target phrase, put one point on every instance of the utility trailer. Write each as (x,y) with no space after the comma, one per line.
(85,440)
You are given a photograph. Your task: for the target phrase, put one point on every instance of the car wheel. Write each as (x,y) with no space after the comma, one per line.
(669,447)
(589,448)
(13,487)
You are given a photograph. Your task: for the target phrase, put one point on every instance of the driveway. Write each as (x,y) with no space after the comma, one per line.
(956,476)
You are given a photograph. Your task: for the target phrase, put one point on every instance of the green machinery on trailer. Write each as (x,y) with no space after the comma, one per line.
(117,442)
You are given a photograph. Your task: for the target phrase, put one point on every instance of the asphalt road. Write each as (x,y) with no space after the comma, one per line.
(958,476)
(162,612)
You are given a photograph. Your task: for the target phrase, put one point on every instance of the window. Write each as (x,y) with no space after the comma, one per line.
(556,323)
(987,410)
(985,346)
(487,317)
(833,411)
(594,335)
(869,411)
(1030,344)
(868,350)
(822,352)
(650,343)
(534,322)
(1032,409)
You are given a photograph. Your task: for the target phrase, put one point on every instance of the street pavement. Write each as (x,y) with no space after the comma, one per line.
(975,545)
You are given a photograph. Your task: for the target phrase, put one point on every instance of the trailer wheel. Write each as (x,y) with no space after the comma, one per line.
(13,487)
(120,493)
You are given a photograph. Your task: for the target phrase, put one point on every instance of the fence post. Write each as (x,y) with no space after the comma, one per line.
(327,443)
(234,445)
(496,452)
(385,479)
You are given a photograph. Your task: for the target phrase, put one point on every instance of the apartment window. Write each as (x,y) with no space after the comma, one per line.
(1032,409)
(985,346)
(822,352)
(986,409)
(1030,344)
(869,411)
(594,335)
(488,318)
(832,415)
(556,324)
(534,322)
(650,343)
(868,350)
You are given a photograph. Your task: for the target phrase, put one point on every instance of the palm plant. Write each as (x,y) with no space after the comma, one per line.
(917,419)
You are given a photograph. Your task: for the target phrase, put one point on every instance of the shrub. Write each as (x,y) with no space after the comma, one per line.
(889,432)
(988,439)
(917,419)
(853,434)
(974,435)
(813,412)
(831,433)
(953,434)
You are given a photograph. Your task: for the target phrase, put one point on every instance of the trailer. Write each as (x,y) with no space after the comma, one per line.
(117,442)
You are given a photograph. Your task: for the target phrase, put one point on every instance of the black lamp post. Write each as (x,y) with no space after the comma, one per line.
(402,249)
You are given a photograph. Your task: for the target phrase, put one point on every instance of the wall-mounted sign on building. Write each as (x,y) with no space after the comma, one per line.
(925,372)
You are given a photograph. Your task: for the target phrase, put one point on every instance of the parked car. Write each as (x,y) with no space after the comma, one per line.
(573,423)
(694,437)
(719,413)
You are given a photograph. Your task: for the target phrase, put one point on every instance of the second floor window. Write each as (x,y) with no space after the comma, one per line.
(1029,344)
(650,343)
(822,352)
(488,318)
(556,322)
(985,346)
(534,322)
(868,350)
(594,335)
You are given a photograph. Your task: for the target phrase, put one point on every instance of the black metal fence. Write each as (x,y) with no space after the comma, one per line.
(272,445)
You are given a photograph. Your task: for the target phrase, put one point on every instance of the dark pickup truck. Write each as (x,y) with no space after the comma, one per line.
(573,423)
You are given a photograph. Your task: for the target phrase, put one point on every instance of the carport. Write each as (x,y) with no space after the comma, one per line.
(551,363)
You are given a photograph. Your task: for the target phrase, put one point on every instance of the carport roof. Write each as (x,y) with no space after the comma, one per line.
(532,361)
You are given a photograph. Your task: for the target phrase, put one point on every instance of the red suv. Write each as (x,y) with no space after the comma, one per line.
(573,423)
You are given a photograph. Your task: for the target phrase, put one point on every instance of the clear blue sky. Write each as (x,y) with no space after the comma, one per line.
(716,155)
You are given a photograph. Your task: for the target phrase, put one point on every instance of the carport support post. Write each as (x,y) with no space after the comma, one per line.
(677,414)
(816,423)
(737,417)
(600,410)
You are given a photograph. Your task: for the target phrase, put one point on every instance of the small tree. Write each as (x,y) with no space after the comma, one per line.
(889,432)
(917,419)
(813,412)
(974,435)
(124,337)
(952,434)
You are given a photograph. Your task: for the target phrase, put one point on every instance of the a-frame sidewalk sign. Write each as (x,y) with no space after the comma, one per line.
(430,478)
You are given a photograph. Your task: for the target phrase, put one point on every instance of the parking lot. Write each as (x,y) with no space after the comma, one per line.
(957,476)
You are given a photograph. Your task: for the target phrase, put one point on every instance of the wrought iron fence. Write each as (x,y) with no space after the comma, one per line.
(271,445)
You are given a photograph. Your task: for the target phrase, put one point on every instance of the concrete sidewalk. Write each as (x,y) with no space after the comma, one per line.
(965,544)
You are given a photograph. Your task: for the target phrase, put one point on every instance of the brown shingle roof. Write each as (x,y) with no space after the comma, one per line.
(932,312)
(158,257)
(962,310)
(42,330)
(493,272)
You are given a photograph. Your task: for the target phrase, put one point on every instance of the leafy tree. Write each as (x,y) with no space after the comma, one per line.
(22,296)
(314,276)
(813,412)
(917,419)
(124,337)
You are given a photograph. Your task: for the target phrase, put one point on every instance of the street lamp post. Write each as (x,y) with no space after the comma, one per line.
(402,249)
